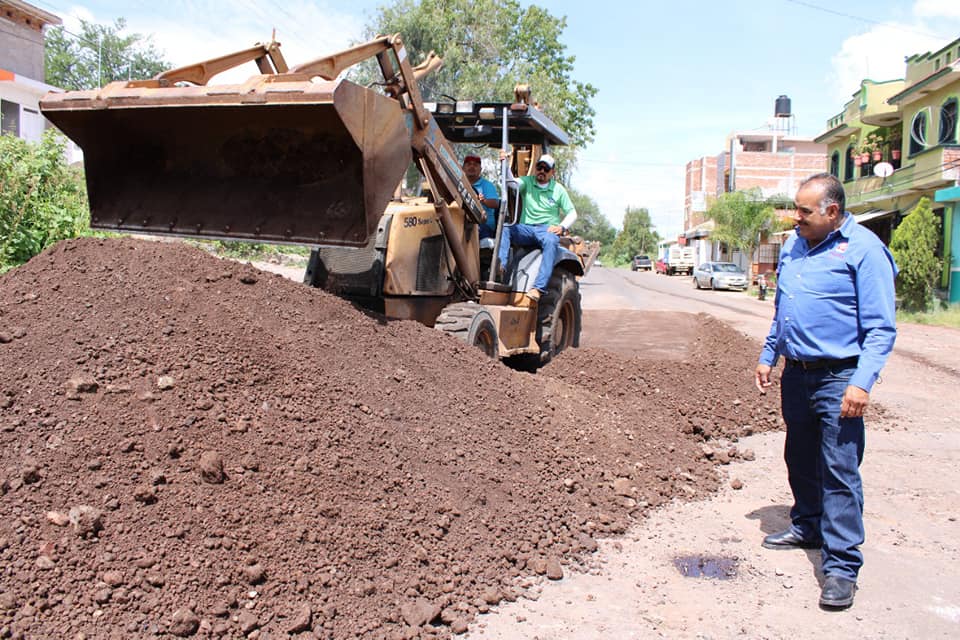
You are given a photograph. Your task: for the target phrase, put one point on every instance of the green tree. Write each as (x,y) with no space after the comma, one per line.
(638,236)
(490,46)
(914,247)
(591,224)
(740,216)
(98,55)
(42,200)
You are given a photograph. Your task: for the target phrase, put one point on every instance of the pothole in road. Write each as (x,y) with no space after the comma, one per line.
(697,566)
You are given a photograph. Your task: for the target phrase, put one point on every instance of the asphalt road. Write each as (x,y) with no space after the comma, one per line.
(606,288)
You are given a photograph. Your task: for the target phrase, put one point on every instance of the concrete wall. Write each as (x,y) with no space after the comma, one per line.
(21,45)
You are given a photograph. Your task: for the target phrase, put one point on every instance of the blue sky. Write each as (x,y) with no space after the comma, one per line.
(674,78)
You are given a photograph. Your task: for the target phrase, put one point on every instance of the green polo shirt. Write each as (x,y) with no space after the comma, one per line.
(548,204)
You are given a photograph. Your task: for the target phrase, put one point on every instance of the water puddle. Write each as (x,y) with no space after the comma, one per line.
(706,567)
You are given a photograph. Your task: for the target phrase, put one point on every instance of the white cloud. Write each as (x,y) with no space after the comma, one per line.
(937,9)
(878,54)
(197,30)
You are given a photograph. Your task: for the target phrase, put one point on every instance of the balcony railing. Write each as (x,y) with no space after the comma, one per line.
(863,191)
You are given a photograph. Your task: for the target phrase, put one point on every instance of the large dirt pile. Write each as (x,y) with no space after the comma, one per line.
(192,446)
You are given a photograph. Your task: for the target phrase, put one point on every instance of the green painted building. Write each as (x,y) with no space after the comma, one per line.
(897,141)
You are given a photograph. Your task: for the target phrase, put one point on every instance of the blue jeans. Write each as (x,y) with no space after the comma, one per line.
(529,235)
(823,453)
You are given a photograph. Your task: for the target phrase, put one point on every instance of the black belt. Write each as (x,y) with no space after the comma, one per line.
(822,363)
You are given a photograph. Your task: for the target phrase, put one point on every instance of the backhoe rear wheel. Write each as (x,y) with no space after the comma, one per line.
(472,324)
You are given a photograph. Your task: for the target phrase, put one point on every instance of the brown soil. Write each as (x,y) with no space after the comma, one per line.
(192,446)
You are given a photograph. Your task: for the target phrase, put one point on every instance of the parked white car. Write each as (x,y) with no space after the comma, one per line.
(719,275)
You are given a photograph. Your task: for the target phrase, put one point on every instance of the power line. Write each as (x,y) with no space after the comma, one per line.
(638,164)
(815,7)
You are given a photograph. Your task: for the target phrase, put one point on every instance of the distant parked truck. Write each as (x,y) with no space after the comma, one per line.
(641,263)
(679,260)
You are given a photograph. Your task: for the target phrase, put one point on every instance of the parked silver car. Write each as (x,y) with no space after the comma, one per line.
(719,275)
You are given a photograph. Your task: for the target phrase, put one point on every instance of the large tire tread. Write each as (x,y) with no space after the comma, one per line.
(471,324)
(558,309)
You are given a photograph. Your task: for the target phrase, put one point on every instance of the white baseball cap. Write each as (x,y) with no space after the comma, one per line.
(548,160)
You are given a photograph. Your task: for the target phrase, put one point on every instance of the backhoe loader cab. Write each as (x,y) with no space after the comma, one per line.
(298,155)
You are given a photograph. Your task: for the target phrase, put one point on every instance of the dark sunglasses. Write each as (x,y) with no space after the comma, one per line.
(543,167)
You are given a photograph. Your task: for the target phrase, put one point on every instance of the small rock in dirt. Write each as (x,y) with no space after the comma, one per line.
(736,484)
(113,578)
(82,383)
(254,574)
(30,472)
(748,455)
(7,601)
(301,620)
(184,623)
(145,494)
(44,563)
(165,382)
(211,467)
(6,337)
(459,626)
(155,580)
(491,596)
(58,518)
(250,463)
(419,612)
(538,566)
(622,487)
(103,596)
(554,570)
(248,622)
(587,543)
(86,520)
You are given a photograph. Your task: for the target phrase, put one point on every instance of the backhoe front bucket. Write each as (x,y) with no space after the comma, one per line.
(273,160)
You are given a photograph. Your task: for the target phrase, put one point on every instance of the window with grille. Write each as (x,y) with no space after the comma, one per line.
(848,167)
(835,164)
(769,253)
(10,118)
(918,133)
(948,122)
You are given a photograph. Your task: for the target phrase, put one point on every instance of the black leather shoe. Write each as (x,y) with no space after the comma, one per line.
(837,592)
(789,540)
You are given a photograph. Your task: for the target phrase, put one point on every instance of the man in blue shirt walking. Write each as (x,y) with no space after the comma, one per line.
(835,325)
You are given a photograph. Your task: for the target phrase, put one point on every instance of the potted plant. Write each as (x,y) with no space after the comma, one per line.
(872,147)
(864,149)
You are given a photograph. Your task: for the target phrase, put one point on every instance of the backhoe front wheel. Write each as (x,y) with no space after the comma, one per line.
(559,317)
(470,323)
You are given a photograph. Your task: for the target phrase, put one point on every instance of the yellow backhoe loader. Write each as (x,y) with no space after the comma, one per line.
(299,155)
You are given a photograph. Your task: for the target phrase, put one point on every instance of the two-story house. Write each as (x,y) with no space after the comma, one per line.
(22,68)
(896,142)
